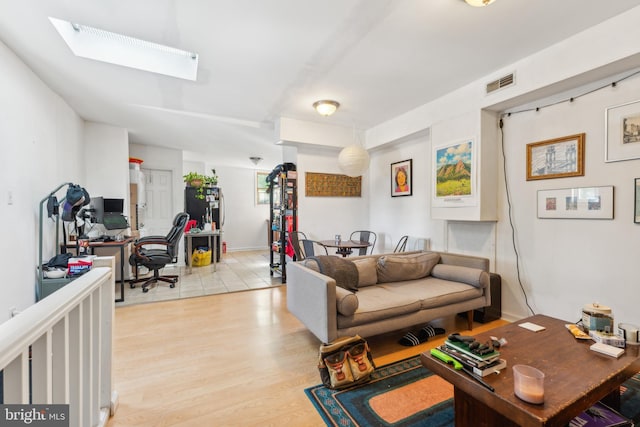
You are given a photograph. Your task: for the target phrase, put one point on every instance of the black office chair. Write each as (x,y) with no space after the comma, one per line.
(313,248)
(364,236)
(296,237)
(145,252)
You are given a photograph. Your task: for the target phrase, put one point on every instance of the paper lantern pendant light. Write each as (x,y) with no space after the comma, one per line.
(353,160)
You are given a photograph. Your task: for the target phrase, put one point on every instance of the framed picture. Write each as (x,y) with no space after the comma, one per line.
(576,203)
(401,178)
(556,158)
(622,132)
(454,171)
(636,212)
(262,195)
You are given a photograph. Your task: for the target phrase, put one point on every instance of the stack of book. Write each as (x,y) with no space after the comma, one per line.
(481,365)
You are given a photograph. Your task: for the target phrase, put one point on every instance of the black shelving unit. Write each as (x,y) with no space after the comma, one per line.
(283,218)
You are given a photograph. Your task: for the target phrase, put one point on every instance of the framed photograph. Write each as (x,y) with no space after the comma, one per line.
(556,158)
(401,178)
(622,132)
(577,203)
(454,171)
(636,212)
(262,195)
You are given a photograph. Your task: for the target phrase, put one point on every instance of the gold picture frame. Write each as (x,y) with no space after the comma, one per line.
(556,158)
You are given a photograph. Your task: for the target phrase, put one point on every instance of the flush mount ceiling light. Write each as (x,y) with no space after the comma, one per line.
(326,107)
(479,3)
(255,159)
(113,48)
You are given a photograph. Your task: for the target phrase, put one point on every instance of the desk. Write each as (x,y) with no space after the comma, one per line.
(112,244)
(575,377)
(188,237)
(345,247)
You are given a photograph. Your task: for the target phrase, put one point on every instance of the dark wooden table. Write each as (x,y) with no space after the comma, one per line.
(345,247)
(575,377)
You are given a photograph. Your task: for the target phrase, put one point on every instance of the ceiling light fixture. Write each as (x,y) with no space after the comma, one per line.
(326,107)
(479,3)
(100,45)
(255,159)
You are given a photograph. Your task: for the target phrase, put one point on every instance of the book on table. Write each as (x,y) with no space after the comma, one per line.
(476,359)
(480,368)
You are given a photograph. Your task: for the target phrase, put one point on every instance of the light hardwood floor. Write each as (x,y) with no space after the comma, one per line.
(238,359)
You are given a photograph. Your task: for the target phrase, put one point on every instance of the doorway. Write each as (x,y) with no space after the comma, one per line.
(156,210)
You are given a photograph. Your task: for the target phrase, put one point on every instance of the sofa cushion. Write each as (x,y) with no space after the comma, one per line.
(456,273)
(432,292)
(346,302)
(376,303)
(367,274)
(397,268)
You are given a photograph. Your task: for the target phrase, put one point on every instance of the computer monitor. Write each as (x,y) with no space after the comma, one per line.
(97,209)
(113,206)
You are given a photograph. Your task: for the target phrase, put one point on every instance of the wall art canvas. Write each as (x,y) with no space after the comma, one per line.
(454,173)
(401,178)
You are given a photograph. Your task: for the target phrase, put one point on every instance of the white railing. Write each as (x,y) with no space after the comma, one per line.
(65,340)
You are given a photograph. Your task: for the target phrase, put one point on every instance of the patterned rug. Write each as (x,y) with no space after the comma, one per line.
(405,394)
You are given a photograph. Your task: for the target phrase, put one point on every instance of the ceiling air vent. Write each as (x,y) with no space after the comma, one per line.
(505,81)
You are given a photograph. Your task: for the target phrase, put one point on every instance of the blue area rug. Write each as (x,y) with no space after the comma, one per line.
(381,401)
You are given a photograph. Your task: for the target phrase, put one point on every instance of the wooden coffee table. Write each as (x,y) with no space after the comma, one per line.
(575,377)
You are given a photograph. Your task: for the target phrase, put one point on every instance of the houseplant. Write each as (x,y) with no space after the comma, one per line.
(200,181)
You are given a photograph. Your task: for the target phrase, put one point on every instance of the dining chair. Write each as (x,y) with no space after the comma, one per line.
(296,237)
(402,244)
(408,244)
(365,236)
(313,248)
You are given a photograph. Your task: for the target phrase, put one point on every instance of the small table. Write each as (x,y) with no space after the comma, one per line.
(575,377)
(215,234)
(121,244)
(345,247)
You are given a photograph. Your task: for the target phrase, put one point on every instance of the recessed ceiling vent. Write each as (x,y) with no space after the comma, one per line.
(502,82)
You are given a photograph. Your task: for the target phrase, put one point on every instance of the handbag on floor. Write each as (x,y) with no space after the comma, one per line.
(345,362)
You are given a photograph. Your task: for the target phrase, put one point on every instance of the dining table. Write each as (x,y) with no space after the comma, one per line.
(345,247)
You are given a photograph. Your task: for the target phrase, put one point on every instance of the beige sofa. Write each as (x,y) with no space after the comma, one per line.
(393,291)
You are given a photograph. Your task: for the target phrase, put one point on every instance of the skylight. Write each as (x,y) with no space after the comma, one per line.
(105,46)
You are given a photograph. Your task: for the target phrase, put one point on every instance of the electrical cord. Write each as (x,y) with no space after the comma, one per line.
(513,229)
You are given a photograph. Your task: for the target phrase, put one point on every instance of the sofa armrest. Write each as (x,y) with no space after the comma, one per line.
(311,297)
(464,260)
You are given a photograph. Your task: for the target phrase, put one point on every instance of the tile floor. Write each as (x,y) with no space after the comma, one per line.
(236,271)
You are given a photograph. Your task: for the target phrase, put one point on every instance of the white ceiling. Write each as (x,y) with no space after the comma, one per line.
(265,59)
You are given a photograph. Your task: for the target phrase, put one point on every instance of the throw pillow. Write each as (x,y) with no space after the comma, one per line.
(367,274)
(397,268)
(456,273)
(342,270)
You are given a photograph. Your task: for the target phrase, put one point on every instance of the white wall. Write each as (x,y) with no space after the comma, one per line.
(41,142)
(567,263)
(395,217)
(322,218)
(107,154)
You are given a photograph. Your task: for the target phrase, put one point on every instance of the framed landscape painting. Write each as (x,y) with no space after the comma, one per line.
(454,172)
(401,178)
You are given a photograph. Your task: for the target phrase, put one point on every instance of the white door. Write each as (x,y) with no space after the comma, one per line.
(158,213)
